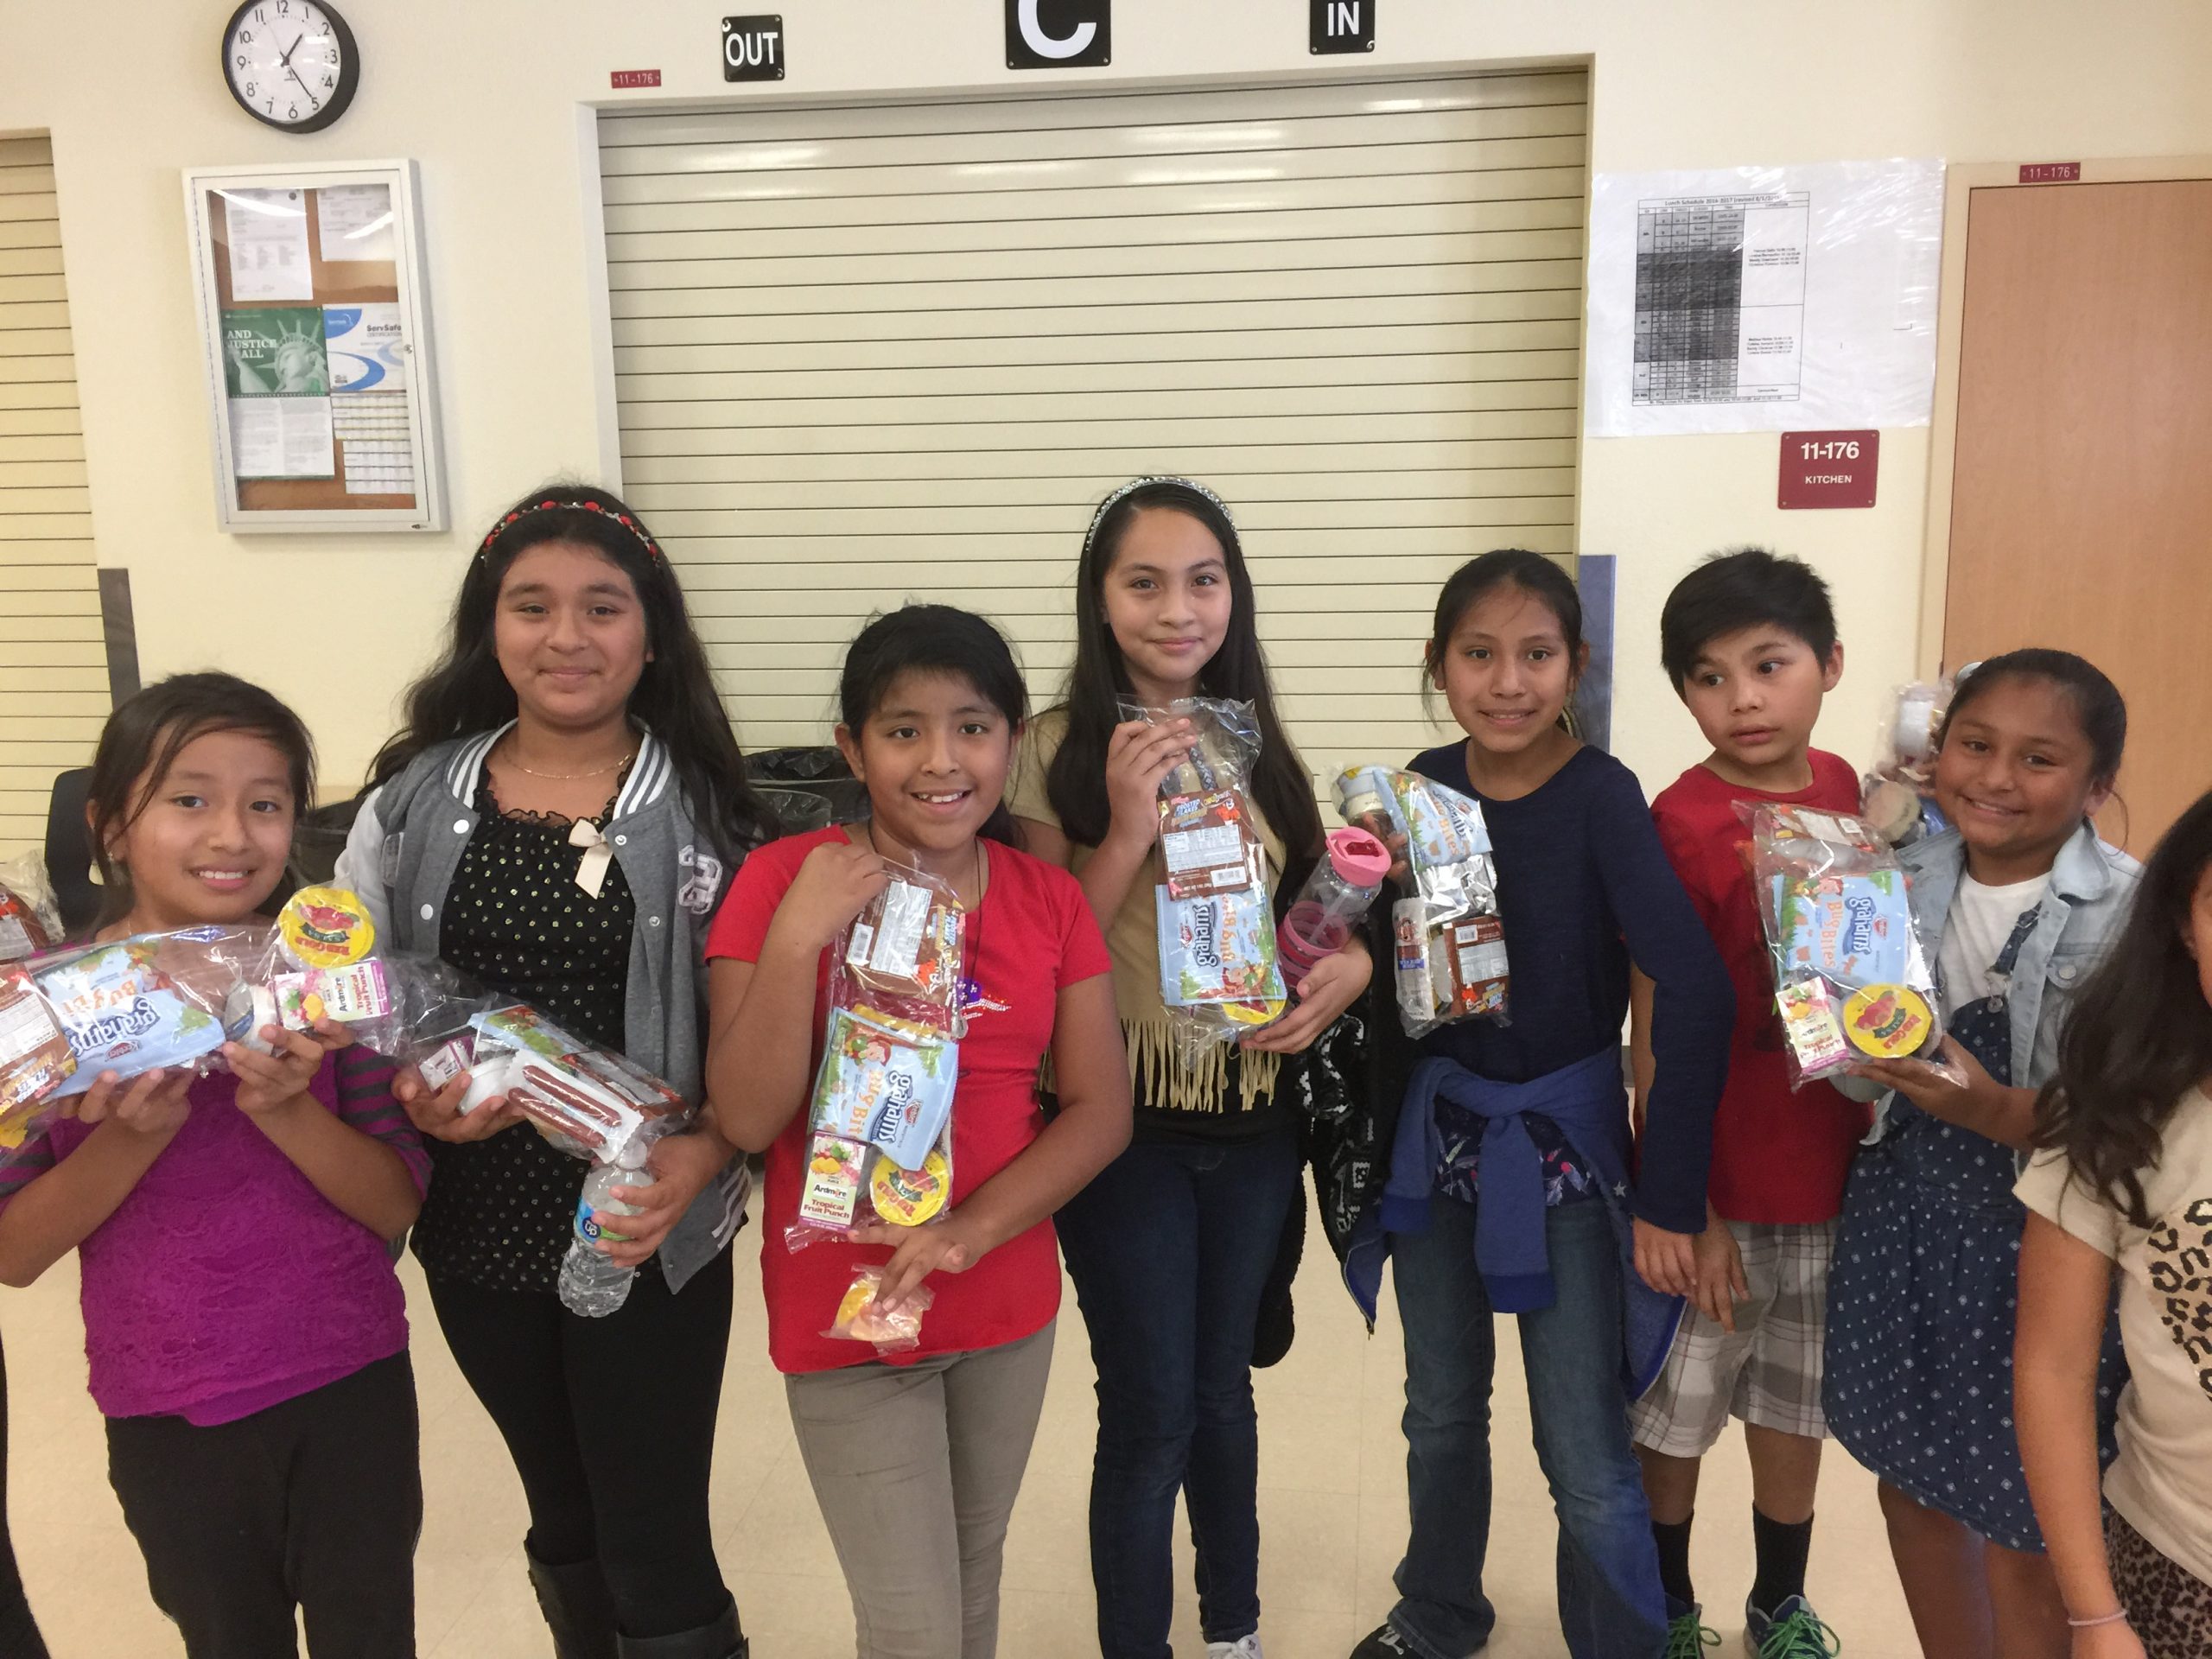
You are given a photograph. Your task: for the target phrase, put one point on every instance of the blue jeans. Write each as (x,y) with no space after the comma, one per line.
(1610,1603)
(1170,1248)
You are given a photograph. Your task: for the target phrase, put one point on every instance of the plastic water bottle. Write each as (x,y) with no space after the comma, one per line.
(1330,903)
(592,1284)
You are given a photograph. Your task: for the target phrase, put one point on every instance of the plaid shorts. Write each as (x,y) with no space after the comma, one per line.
(1767,1372)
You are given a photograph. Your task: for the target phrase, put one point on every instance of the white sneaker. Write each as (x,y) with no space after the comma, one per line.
(1245,1647)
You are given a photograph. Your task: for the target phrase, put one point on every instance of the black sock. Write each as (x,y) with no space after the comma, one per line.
(1781,1550)
(1674,1559)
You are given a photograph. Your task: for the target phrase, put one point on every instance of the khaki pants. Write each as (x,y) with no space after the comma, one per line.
(916,1468)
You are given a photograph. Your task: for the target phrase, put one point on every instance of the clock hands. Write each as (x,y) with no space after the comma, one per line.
(285,64)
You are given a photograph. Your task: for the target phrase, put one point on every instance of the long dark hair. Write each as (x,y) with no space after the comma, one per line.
(142,739)
(2140,1033)
(1076,782)
(1507,567)
(2097,703)
(466,692)
(934,639)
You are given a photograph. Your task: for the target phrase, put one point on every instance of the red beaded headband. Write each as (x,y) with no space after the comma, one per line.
(651,547)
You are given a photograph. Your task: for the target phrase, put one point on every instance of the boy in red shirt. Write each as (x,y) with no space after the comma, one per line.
(1750,641)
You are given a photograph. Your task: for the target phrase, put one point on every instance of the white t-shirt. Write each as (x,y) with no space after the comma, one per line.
(2162,1481)
(1980,922)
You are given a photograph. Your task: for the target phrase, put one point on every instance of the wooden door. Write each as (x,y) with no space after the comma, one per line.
(2082,494)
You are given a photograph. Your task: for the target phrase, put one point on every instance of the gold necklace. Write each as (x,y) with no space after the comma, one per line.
(568,776)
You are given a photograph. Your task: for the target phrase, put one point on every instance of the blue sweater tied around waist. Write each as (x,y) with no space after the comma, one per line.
(1586,1100)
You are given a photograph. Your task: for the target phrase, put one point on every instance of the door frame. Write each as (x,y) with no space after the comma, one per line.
(1961,181)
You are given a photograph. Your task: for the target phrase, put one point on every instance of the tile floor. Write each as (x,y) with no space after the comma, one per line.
(1332,1507)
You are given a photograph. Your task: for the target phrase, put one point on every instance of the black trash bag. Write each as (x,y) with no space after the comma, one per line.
(812,774)
(800,764)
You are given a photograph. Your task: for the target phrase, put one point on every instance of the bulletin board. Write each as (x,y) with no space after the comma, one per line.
(315,323)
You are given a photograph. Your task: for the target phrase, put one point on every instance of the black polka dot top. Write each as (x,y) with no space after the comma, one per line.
(499,1213)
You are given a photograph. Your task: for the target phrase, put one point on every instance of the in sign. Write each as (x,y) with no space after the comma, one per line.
(1828,469)
(752,48)
(621,78)
(1058,34)
(1341,25)
(2051,172)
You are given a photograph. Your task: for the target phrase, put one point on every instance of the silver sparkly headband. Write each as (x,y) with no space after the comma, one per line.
(1149,479)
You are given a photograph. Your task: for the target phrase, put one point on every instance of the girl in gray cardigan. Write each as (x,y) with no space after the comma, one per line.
(559,818)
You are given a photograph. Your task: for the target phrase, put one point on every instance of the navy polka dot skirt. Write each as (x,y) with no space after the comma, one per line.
(1922,1302)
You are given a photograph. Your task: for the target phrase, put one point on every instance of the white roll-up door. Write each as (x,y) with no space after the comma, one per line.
(54,684)
(870,353)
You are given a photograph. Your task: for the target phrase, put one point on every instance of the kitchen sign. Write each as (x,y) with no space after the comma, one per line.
(1828,469)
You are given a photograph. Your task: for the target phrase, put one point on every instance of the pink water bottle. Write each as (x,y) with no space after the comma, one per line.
(1329,907)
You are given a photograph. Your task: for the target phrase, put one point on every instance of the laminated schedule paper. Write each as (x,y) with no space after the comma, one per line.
(1759,299)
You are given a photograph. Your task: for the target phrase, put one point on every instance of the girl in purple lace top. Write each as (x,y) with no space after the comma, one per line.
(247,1332)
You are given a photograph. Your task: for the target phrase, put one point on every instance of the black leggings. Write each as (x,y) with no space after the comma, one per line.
(612,1417)
(315,1503)
(19,1636)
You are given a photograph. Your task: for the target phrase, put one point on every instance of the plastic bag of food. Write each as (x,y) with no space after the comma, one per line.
(880,1122)
(150,1001)
(1220,973)
(321,964)
(1898,794)
(29,920)
(36,1055)
(585,1099)
(905,955)
(1851,980)
(153,1001)
(859,1319)
(1449,960)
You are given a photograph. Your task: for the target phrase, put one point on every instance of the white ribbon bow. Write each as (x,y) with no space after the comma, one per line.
(599,853)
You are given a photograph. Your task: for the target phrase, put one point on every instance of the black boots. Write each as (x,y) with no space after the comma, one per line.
(577,1608)
(580,1614)
(723,1639)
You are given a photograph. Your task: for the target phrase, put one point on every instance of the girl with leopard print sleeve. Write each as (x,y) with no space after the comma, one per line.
(2123,1185)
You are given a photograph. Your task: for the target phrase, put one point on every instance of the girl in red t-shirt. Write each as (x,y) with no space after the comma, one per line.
(916,1458)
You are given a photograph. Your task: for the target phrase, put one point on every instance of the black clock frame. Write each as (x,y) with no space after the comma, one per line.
(349,72)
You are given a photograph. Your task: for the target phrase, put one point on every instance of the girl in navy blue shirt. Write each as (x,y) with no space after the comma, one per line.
(1509,1188)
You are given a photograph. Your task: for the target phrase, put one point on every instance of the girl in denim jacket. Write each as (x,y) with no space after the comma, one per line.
(2017,904)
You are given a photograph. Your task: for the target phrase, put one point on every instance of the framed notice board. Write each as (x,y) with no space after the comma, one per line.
(316,326)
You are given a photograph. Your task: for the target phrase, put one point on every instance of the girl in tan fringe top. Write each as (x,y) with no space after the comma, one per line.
(1171,1246)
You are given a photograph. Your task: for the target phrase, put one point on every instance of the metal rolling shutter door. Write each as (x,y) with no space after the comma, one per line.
(54,684)
(874,353)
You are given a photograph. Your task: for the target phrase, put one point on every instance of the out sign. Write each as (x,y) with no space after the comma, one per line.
(752,48)
(1342,25)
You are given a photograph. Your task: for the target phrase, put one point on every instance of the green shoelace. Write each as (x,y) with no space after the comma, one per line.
(1687,1639)
(1801,1635)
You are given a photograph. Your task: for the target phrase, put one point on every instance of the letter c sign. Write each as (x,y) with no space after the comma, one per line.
(1058,34)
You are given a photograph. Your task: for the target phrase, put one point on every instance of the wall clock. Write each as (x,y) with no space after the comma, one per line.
(292,64)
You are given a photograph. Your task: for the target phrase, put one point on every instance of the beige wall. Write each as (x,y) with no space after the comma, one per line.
(487,97)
